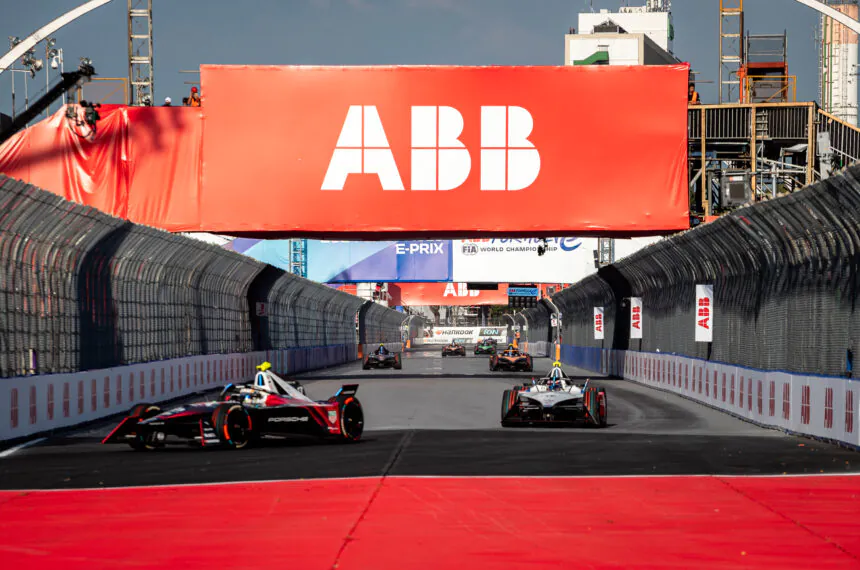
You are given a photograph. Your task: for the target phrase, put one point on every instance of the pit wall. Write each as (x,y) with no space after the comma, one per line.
(819,406)
(33,405)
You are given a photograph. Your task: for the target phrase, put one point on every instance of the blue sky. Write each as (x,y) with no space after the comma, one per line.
(343,32)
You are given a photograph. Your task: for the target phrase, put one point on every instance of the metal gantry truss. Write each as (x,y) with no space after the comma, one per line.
(141,66)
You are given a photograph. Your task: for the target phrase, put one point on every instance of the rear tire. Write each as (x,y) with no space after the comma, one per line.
(602,408)
(143,411)
(397,364)
(508,399)
(351,420)
(232,425)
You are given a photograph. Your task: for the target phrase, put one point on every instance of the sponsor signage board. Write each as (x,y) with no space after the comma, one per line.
(599,323)
(704,313)
(635,317)
(523,291)
(415,151)
(447,294)
(470,335)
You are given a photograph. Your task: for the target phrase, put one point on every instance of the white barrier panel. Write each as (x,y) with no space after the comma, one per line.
(819,406)
(33,404)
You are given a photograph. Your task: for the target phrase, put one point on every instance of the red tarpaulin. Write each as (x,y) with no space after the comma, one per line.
(375,152)
(142,163)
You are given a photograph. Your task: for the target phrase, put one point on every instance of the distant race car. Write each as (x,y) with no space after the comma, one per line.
(511,359)
(454,349)
(486,346)
(382,358)
(555,399)
(268,407)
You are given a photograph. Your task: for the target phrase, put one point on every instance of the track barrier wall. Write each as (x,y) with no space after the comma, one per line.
(785,277)
(91,306)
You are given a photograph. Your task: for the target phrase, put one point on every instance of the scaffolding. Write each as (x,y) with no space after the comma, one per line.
(141,70)
(298,257)
(769,148)
(731,49)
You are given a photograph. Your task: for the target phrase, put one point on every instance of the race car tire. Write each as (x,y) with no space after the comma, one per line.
(507,401)
(233,426)
(397,364)
(351,420)
(529,364)
(444,355)
(492,366)
(143,411)
(365,365)
(602,408)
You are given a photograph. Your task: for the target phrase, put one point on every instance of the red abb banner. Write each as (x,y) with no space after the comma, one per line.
(446,294)
(379,152)
(424,151)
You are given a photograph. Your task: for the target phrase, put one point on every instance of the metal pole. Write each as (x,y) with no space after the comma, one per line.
(47,78)
(13,96)
(26,94)
(62,70)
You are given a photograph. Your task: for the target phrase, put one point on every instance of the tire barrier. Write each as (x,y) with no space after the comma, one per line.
(84,297)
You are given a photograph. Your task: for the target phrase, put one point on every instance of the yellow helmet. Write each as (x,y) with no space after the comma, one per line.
(264,366)
(556,364)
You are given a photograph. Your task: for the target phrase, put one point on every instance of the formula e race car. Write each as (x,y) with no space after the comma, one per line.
(268,407)
(554,399)
(486,346)
(511,359)
(454,349)
(382,358)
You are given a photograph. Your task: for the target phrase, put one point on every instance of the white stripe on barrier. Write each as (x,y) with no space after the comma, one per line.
(823,407)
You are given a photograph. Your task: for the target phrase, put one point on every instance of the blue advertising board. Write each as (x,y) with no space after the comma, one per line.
(523,291)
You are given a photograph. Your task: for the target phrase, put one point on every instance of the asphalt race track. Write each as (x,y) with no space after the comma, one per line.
(441,417)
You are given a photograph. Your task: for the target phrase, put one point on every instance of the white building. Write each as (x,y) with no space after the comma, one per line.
(633,36)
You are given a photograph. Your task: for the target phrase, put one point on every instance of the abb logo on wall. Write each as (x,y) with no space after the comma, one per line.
(440,160)
(704,313)
(598,323)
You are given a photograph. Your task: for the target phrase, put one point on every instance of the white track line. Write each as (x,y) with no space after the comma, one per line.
(12,450)
(447,477)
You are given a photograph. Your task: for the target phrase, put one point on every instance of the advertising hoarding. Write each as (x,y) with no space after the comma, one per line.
(466,335)
(599,323)
(447,294)
(704,313)
(635,317)
(418,151)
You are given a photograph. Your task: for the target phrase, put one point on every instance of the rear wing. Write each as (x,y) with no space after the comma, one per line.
(347,390)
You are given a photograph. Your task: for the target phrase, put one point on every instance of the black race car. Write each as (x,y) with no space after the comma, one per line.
(269,407)
(454,349)
(486,346)
(511,359)
(382,358)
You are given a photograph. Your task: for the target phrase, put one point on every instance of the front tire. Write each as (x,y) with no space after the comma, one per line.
(143,411)
(397,364)
(351,420)
(232,425)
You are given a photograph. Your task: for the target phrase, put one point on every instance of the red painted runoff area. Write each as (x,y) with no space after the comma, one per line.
(476,523)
